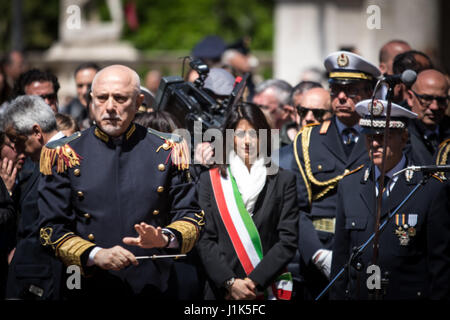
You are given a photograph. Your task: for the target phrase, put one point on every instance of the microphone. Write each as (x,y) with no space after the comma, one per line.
(427,169)
(431,168)
(408,77)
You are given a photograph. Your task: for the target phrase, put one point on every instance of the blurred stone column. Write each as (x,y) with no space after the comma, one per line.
(17,23)
(298,33)
(307,31)
(84,38)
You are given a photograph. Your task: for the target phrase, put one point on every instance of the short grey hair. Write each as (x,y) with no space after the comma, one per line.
(282,89)
(26,111)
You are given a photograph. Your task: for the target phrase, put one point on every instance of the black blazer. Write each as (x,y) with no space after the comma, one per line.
(423,148)
(418,270)
(276,218)
(32,264)
(7,218)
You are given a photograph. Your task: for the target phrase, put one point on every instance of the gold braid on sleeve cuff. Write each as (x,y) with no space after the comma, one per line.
(189,233)
(70,250)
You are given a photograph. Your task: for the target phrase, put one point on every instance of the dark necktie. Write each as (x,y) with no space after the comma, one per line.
(349,135)
(385,197)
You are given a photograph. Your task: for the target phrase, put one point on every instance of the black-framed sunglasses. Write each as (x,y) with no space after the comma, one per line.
(318,113)
(350,90)
(49,96)
(426,100)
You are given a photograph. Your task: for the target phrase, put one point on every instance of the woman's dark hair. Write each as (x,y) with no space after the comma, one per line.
(66,122)
(158,120)
(243,111)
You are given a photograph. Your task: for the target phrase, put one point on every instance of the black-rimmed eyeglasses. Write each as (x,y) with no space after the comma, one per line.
(426,100)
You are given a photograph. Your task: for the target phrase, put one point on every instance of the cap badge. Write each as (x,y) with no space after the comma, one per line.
(342,60)
(376,108)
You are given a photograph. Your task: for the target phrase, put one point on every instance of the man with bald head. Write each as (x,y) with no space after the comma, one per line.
(115,192)
(428,97)
(388,53)
(315,106)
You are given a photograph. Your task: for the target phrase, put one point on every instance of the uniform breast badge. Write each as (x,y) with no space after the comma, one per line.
(405,227)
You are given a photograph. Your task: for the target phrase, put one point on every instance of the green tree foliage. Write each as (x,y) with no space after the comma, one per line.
(180,24)
(39,24)
(163,24)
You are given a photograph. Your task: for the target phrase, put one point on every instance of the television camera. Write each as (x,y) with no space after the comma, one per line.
(190,102)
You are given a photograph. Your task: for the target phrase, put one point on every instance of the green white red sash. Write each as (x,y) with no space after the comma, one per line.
(243,232)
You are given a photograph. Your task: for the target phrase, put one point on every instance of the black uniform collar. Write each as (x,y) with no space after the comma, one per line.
(106,138)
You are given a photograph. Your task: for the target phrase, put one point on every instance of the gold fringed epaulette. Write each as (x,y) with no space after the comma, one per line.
(179,153)
(60,152)
(179,150)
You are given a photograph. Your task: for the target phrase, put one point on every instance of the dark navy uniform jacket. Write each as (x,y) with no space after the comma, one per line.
(420,269)
(424,149)
(328,160)
(7,217)
(34,273)
(115,186)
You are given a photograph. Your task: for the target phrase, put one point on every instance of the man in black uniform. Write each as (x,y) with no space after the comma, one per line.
(33,273)
(7,218)
(414,246)
(102,187)
(324,154)
(428,97)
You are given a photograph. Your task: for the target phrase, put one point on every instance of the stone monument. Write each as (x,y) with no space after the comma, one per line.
(84,37)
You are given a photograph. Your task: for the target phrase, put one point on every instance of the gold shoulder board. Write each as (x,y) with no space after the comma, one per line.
(60,152)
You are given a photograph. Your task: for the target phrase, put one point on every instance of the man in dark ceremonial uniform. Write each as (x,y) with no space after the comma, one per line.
(414,246)
(324,154)
(114,181)
(33,273)
(428,97)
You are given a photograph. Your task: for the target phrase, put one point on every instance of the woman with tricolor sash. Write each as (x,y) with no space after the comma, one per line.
(251,216)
